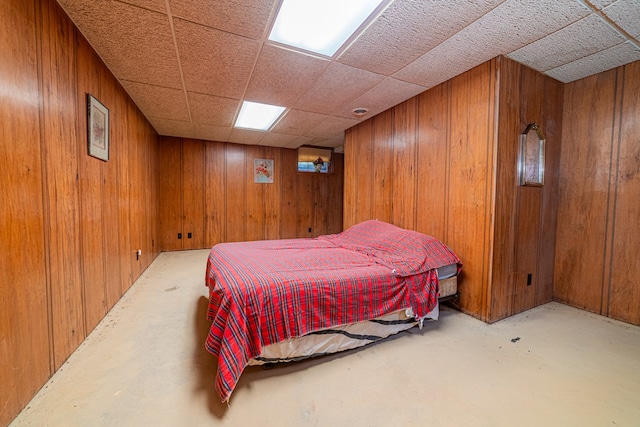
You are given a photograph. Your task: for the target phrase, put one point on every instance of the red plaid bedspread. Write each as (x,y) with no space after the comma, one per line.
(264,292)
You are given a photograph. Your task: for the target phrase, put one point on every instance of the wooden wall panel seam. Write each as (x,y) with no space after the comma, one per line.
(45,189)
(612,196)
(491,159)
(447,179)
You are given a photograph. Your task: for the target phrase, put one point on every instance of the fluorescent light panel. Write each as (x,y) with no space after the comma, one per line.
(321,26)
(256,116)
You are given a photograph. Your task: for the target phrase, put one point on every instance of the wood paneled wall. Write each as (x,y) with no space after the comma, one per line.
(444,163)
(599,213)
(525,217)
(207,195)
(70,224)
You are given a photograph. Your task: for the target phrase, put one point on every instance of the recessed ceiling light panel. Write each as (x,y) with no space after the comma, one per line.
(321,26)
(256,116)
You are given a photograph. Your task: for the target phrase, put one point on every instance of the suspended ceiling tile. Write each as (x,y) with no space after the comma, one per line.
(212,110)
(389,91)
(330,143)
(599,4)
(337,85)
(211,132)
(296,122)
(273,139)
(281,76)
(169,127)
(615,56)
(157,101)
(243,17)
(509,26)
(332,127)
(578,40)
(157,5)
(408,28)
(214,62)
(244,136)
(441,63)
(306,140)
(626,14)
(135,43)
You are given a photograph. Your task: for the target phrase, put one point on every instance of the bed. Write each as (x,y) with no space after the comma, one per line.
(283,300)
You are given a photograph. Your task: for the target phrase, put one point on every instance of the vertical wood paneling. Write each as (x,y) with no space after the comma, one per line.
(272,194)
(24,358)
(506,207)
(123,196)
(170,187)
(150,145)
(255,213)
(236,192)
(432,162)
(529,199)
(61,175)
(350,194)
(524,215)
(288,196)
(304,204)
(112,93)
(526,248)
(382,170)
(471,113)
(134,205)
(90,189)
(453,171)
(552,106)
(624,294)
(584,182)
(334,201)
(193,174)
(362,149)
(61,211)
(320,208)
(215,184)
(235,205)
(404,164)
(528,220)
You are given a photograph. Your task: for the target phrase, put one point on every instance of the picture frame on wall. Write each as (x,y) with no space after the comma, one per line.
(263,171)
(97,128)
(531,156)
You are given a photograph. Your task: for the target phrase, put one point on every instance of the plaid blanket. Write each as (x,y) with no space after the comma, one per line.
(263,292)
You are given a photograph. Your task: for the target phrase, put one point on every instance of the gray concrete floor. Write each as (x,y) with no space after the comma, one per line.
(145,364)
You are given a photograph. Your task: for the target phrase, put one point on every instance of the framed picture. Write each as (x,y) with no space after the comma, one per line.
(263,171)
(531,156)
(97,128)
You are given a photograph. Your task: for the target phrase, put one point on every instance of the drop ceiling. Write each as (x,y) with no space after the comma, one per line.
(189,64)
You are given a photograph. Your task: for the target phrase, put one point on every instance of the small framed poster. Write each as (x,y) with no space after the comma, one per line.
(263,171)
(97,128)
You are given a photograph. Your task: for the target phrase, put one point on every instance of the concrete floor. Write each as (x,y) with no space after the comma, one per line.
(145,364)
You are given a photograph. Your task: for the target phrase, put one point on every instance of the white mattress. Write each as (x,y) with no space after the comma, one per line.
(355,335)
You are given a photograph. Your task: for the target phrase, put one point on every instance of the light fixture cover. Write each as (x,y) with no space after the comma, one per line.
(321,26)
(257,116)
